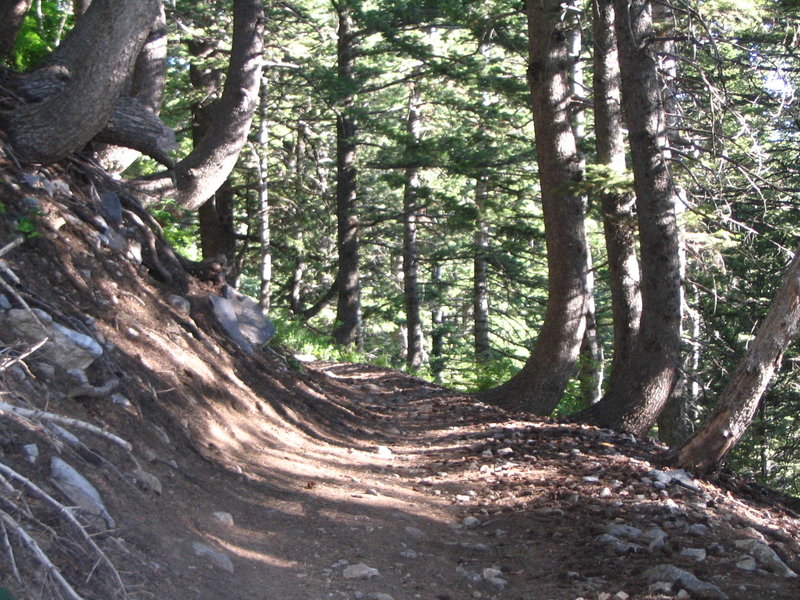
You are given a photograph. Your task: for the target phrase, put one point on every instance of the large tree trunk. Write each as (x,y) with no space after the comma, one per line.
(207,166)
(619,222)
(411,213)
(739,401)
(348,309)
(12,14)
(647,380)
(94,62)
(480,280)
(147,88)
(538,387)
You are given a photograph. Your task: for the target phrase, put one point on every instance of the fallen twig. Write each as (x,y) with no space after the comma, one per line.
(40,414)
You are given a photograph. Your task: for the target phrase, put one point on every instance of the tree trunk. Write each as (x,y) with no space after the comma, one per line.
(147,88)
(348,310)
(538,387)
(217,231)
(12,14)
(590,359)
(480,284)
(79,7)
(411,210)
(739,401)
(644,386)
(590,369)
(207,166)
(95,61)
(619,222)
(437,325)
(264,230)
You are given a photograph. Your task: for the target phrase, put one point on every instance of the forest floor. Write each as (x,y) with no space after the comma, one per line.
(336,481)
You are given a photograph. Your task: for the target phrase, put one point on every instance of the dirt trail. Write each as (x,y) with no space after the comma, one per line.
(450,499)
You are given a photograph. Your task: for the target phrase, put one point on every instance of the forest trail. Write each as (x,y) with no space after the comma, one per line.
(246,479)
(434,496)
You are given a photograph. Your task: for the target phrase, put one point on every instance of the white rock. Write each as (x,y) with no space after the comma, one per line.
(659,587)
(766,557)
(66,347)
(218,559)
(384,451)
(360,571)
(505,452)
(471,521)
(462,498)
(225,518)
(623,531)
(591,479)
(698,554)
(415,533)
(747,564)
(685,580)
(78,489)
(147,481)
(31,452)
(380,596)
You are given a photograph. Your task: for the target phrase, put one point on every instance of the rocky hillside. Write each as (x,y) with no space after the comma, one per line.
(152,447)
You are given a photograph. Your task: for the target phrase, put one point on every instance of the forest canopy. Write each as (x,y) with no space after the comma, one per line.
(473,191)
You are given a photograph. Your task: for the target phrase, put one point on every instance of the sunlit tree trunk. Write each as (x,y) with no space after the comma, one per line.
(639,393)
(437,324)
(347,330)
(264,231)
(538,387)
(619,222)
(590,360)
(414,350)
(480,283)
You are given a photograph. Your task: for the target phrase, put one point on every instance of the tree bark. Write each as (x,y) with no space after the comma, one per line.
(217,231)
(538,387)
(264,228)
(207,166)
(647,380)
(480,284)
(348,310)
(12,14)
(147,89)
(94,61)
(437,324)
(733,413)
(619,222)
(411,213)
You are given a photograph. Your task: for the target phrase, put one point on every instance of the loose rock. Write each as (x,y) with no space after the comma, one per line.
(360,571)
